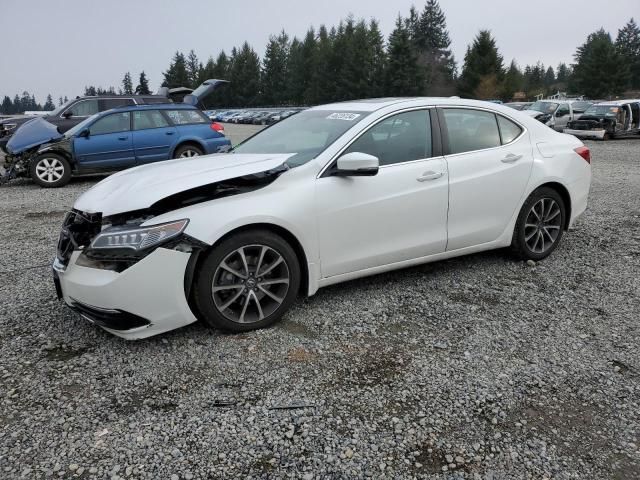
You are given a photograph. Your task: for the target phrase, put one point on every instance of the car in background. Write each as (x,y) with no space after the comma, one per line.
(606,120)
(557,113)
(117,139)
(518,105)
(234,240)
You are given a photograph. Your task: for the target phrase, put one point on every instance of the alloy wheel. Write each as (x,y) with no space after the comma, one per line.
(49,170)
(188,153)
(250,283)
(543,225)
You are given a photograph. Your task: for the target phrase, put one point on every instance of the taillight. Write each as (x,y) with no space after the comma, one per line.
(584,152)
(217,127)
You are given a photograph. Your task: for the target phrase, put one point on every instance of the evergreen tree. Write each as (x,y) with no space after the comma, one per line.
(403,75)
(481,62)
(17,105)
(193,67)
(6,107)
(176,75)
(60,102)
(600,70)
(143,85)
(274,70)
(90,91)
(628,45)
(549,77)
(65,99)
(433,43)
(245,77)
(127,84)
(49,105)
(377,60)
(562,74)
(322,86)
(513,82)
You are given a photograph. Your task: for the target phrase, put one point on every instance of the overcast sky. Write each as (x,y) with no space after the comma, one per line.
(59,46)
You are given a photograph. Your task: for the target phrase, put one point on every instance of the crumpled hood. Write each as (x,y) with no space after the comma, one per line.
(140,187)
(532,113)
(31,134)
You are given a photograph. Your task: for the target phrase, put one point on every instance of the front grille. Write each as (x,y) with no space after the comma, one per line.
(78,230)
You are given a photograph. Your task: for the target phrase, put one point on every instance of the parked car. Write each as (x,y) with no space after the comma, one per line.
(557,113)
(113,140)
(607,120)
(334,193)
(79,109)
(519,105)
(261,118)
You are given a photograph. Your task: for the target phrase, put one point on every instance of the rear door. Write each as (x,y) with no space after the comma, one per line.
(489,158)
(109,144)
(153,136)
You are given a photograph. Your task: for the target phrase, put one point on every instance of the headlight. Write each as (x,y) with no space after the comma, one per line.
(137,239)
(9,126)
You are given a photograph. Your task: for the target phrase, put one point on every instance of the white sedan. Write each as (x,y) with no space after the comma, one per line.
(333,193)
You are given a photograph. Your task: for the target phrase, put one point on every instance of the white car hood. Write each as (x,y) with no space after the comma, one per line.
(140,187)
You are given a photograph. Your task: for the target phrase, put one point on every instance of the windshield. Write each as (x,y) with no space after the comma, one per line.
(544,107)
(602,111)
(306,134)
(81,126)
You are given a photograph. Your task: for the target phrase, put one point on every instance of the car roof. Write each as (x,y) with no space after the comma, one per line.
(372,105)
(614,103)
(153,106)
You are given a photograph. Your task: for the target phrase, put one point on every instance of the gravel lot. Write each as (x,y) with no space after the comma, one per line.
(474,368)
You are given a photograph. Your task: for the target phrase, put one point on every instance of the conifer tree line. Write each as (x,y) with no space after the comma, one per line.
(354,60)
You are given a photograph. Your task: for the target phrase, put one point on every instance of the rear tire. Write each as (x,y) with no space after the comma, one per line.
(539,226)
(50,170)
(187,151)
(247,282)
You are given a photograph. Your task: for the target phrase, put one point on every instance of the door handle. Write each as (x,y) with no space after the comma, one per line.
(168,133)
(511,158)
(123,138)
(430,175)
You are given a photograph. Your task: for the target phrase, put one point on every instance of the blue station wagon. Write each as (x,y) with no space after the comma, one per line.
(117,139)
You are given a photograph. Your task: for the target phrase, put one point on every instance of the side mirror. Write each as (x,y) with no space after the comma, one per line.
(67,114)
(357,164)
(84,133)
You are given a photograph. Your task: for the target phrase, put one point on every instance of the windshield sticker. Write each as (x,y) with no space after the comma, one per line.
(349,117)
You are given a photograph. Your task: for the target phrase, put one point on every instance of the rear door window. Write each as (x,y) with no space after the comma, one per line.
(186,117)
(145,119)
(113,123)
(470,130)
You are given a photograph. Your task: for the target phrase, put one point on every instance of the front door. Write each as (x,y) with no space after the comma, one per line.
(490,159)
(399,214)
(108,146)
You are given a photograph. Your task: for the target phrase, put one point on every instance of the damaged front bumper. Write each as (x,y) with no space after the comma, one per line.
(145,299)
(588,134)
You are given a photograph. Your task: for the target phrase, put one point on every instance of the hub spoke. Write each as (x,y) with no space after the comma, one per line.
(232,270)
(270,267)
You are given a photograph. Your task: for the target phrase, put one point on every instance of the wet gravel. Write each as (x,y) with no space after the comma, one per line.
(475,368)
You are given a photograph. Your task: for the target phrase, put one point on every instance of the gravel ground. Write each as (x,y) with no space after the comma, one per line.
(474,368)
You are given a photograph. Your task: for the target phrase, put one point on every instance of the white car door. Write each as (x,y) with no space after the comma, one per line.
(398,214)
(489,168)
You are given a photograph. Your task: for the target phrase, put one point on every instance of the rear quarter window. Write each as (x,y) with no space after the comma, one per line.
(186,117)
(508,130)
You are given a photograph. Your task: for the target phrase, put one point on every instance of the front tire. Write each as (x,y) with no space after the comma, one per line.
(50,170)
(247,282)
(540,225)
(187,151)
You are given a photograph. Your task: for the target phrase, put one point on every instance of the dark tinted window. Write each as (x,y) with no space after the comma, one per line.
(143,119)
(113,123)
(155,100)
(84,108)
(184,117)
(509,130)
(471,130)
(109,103)
(400,138)
(562,111)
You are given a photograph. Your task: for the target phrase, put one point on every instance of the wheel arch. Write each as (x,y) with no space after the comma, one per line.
(564,194)
(188,141)
(287,235)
